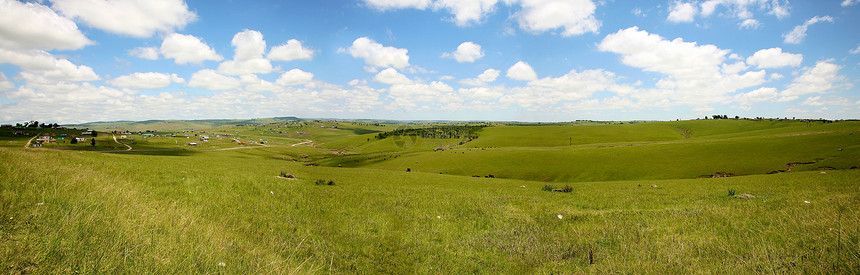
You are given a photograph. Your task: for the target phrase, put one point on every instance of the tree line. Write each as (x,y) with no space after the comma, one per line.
(441,132)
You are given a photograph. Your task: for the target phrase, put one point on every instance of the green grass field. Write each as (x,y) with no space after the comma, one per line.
(638,204)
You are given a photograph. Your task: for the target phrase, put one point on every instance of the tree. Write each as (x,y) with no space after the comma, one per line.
(93,142)
(74,141)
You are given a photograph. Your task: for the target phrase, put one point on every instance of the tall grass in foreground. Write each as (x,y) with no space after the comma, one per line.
(224,212)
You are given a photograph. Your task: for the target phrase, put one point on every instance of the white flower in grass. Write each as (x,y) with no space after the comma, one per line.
(273,192)
(559,217)
(806,202)
(40,203)
(221,264)
(438,217)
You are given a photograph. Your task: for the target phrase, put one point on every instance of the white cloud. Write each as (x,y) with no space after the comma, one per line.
(830,101)
(184,48)
(391,76)
(43,64)
(487,76)
(774,58)
(846,3)
(521,71)
(696,74)
(248,58)
(796,35)
(855,50)
(571,86)
(750,23)
(467,52)
(292,50)
(467,12)
(254,84)
(757,95)
(5,84)
(377,56)
(822,78)
(150,53)
(294,77)
(138,18)
(384,5)
(682,12)
(31,25)
(145,80)
(212,80)
(575,17)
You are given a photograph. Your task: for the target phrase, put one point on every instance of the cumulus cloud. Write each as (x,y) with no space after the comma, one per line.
(384,5)
(34,26)
(552,90)
(212,80)
(487,76)
(391,76)
(248,58)
(5,84)
(377,56)
(829,101)
(467,12)
(695,74)
(574,17)
(184,49)
(774,58)
(846,3)
(757,95)
(855,50)
(294,77)
(138,18)
(521,71)
(149,80)
(750,23)
(823,78)
(292,50)
(467,52)
(796,35)
(680,12)
(43,64)
(150,53)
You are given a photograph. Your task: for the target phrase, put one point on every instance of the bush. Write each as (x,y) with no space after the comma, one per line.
(731,192)
(547,188)
(567,189)
(287,175)
(324,182)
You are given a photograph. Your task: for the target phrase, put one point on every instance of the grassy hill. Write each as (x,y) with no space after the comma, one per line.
(636,202)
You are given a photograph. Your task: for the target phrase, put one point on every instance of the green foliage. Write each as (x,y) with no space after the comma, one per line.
(284,174)
(731,192)
(567,189)
(324,182)
(547,188)
(440,132)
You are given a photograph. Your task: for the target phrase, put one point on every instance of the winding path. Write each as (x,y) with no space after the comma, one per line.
(126,145)
(27,146)
(300,143)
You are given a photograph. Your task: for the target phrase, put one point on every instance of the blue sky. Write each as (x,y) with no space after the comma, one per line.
(70,61)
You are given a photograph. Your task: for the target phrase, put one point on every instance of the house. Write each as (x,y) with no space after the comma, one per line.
(80,139)
(37,145)
(192,144)
(87,133)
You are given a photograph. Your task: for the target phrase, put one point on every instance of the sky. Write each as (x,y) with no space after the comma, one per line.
(74,61)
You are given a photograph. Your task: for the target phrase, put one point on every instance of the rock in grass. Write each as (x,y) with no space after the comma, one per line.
(744,196)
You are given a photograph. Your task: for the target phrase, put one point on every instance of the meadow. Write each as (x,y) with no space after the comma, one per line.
(641,200)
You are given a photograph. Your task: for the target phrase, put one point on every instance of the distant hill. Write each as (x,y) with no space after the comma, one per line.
(176,125)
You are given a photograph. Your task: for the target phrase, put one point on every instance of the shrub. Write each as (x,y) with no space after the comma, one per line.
(287,175)
(547,188)
(324,182)
(731,192)
(567,189)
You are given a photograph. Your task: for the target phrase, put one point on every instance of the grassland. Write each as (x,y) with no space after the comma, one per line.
(171,208)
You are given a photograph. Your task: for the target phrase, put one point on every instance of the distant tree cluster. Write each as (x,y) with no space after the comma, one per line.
(442,132)
(36,124)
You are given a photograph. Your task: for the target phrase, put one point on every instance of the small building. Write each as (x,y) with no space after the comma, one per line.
(37,144)
(192,144)
(87,133)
